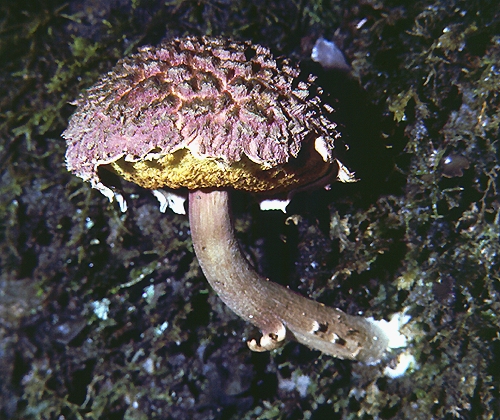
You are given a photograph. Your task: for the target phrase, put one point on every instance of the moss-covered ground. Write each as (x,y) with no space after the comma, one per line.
(106,315)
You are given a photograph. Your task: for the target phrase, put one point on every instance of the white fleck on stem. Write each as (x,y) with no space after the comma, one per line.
(276,310)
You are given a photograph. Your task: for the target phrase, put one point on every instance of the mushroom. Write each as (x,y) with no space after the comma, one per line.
(212,115)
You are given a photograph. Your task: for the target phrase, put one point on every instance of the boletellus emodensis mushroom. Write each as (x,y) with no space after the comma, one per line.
(212,115)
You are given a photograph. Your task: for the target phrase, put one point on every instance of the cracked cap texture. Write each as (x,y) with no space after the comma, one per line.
(204,113)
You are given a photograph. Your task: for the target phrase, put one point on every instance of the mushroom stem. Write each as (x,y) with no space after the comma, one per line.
(276,310)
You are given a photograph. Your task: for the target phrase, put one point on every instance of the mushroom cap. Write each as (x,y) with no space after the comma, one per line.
(204,113)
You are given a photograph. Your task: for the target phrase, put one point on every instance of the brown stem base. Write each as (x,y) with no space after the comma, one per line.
(276,310)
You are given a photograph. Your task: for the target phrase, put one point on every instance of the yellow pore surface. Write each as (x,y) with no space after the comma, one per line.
(182,169)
